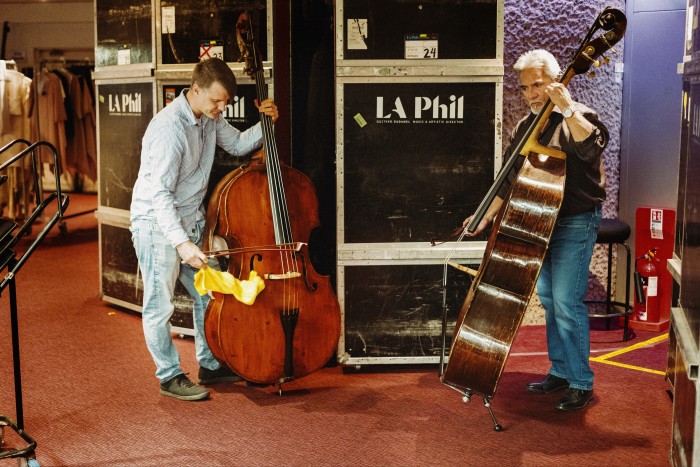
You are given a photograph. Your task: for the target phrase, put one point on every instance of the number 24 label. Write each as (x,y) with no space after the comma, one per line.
(422,46)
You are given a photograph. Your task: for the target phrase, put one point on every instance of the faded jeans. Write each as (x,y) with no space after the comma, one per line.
(160,267)
(562,287)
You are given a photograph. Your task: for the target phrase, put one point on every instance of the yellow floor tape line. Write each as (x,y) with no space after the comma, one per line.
(605,358)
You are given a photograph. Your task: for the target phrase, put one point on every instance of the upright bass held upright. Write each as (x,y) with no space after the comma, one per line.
(500,292)
(262,211)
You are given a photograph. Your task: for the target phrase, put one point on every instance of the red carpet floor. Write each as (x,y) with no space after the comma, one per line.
(90,397)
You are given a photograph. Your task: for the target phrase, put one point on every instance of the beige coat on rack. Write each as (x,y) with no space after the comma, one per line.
(16,106)
(50,123)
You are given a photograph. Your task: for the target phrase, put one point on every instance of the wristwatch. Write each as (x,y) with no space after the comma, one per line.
(567,112)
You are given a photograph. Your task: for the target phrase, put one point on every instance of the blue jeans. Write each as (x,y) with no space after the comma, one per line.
(562,287)
(160,267)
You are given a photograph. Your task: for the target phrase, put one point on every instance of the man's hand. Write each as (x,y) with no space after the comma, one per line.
(269,108)
(580,127)
(488,217)
(559,95)
(191,254)
(479,228)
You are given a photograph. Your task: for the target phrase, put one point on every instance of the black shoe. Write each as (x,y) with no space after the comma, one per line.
(251,384)
(223,374)
(180,387)
(550,383)
(575,399)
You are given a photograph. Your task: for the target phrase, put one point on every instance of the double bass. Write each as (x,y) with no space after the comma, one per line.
(265,211)
(501,289)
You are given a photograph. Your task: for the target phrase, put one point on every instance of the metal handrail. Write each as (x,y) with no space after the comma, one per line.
(61,202)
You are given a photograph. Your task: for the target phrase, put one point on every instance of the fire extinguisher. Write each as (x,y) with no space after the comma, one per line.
(646,282)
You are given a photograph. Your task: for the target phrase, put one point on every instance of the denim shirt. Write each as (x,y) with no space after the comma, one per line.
(176,159)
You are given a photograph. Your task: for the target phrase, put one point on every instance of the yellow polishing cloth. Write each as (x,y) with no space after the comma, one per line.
(209,279)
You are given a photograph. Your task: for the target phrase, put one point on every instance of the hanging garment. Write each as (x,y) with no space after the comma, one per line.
(51,120)
(17,101)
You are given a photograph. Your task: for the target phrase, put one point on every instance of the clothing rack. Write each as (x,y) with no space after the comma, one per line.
(10,234)
(57,61)
(64,66)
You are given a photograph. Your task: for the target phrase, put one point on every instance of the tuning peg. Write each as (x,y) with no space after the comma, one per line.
(608,44)
(591,74)
(596,63)
(587,55)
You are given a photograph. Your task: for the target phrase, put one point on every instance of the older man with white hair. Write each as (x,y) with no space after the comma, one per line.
(563,281)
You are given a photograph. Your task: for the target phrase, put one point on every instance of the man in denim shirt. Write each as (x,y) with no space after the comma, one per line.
(167,215)
(563,281)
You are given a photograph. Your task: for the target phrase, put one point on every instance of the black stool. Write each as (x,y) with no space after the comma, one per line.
(614,232)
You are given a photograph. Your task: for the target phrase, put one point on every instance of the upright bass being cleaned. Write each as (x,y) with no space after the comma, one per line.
(545,206)
(265,212)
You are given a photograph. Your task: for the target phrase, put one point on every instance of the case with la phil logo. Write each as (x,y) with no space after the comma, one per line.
(418,143)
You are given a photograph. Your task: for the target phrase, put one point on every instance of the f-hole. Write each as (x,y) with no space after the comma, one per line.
(256,256)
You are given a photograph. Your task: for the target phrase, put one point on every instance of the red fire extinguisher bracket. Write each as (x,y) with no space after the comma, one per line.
(653,246)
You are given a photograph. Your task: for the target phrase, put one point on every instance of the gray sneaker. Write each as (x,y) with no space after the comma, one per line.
(180,387)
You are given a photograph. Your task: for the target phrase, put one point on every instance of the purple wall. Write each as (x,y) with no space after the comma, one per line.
(560,27)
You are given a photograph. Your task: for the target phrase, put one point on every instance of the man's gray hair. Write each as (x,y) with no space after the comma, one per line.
(538,58)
